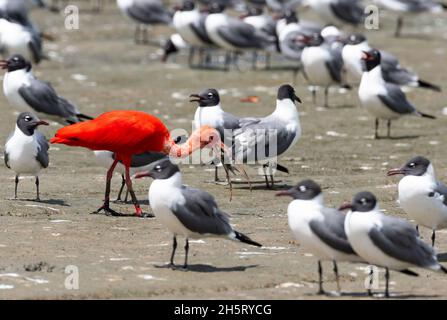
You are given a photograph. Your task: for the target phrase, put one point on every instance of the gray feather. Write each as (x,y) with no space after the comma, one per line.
(396,100)
(42,152)
(149,12)
(349,11)
(201,214)
(442,190)
(331,231)
(43,98)
(399,239)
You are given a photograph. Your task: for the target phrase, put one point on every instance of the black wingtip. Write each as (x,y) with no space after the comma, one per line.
(427,85)
(443,269)
(425,115)
(409,273)
(84,117)
(243,238)
(282,168)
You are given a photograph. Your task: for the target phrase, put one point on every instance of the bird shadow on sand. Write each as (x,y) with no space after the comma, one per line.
(54,202)
(261,186)
(375,296)
(205,268)
(442,257)
(409,137)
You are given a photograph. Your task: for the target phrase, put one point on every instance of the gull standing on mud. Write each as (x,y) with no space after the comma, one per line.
(186,211)
(382,99)
(263,141)
(26,150)
(210,113)
(386,241)
(318,228)
(421,196)
(410,7)
(144,13)
(26,93)
(392,70)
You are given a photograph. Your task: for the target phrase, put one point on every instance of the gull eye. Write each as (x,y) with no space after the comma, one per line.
(303,188)
(27,118)
(158,168)
(210,95)
(412,165)
(363,201)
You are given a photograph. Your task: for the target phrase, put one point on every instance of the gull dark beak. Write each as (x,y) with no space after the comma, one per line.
(286,193)
(304,39)
(195,98)
(345,206)
(143,175)
(297,99)
(4,64)
(394,172)
(42,123)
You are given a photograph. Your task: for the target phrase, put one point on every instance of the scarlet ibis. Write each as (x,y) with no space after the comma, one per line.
(127,133)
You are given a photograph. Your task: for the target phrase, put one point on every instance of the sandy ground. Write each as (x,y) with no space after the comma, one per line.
(99,68)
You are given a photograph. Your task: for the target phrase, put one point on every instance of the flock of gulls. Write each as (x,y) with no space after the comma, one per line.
(137,144)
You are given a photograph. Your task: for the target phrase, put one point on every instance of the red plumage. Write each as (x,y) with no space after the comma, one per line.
(124,132)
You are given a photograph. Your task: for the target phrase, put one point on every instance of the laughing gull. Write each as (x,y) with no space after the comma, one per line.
(26,150)
(283,5)
(382,99)
(421,196)
(145,12)
(318,228)
(26,93)
(234,35)
(140,163)
(264,140)
(338,11)
(210,113)
(410,7)
(322,65)
(386,241)
(392,70)
(186,211)
(16,38)
(289,29)
(189,22)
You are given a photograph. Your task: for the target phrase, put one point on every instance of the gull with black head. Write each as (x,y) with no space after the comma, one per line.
(26,150)
(186,211)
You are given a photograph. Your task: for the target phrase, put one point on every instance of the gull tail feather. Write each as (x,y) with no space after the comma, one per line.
(243,238)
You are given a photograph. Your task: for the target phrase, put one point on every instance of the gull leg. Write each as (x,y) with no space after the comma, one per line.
(371,279)
(137,34)
(314,97)
(185,265)
(387,283)
(417,230)
(433,238)
(16,186)
(174,247)
(123,183)
(337,277)
(320,278)
(389,129)
(37,189)
(326,97)
(376,134)
(267,184)
(400,24)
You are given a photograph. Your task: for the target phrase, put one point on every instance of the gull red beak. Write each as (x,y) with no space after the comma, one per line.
(345,206)
(195,98)
(286,193)
(366,56)
(4,64)
(394,172)
(142,174)
(303,38)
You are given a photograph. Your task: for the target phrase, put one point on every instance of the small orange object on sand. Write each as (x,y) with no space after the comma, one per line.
(250,99)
